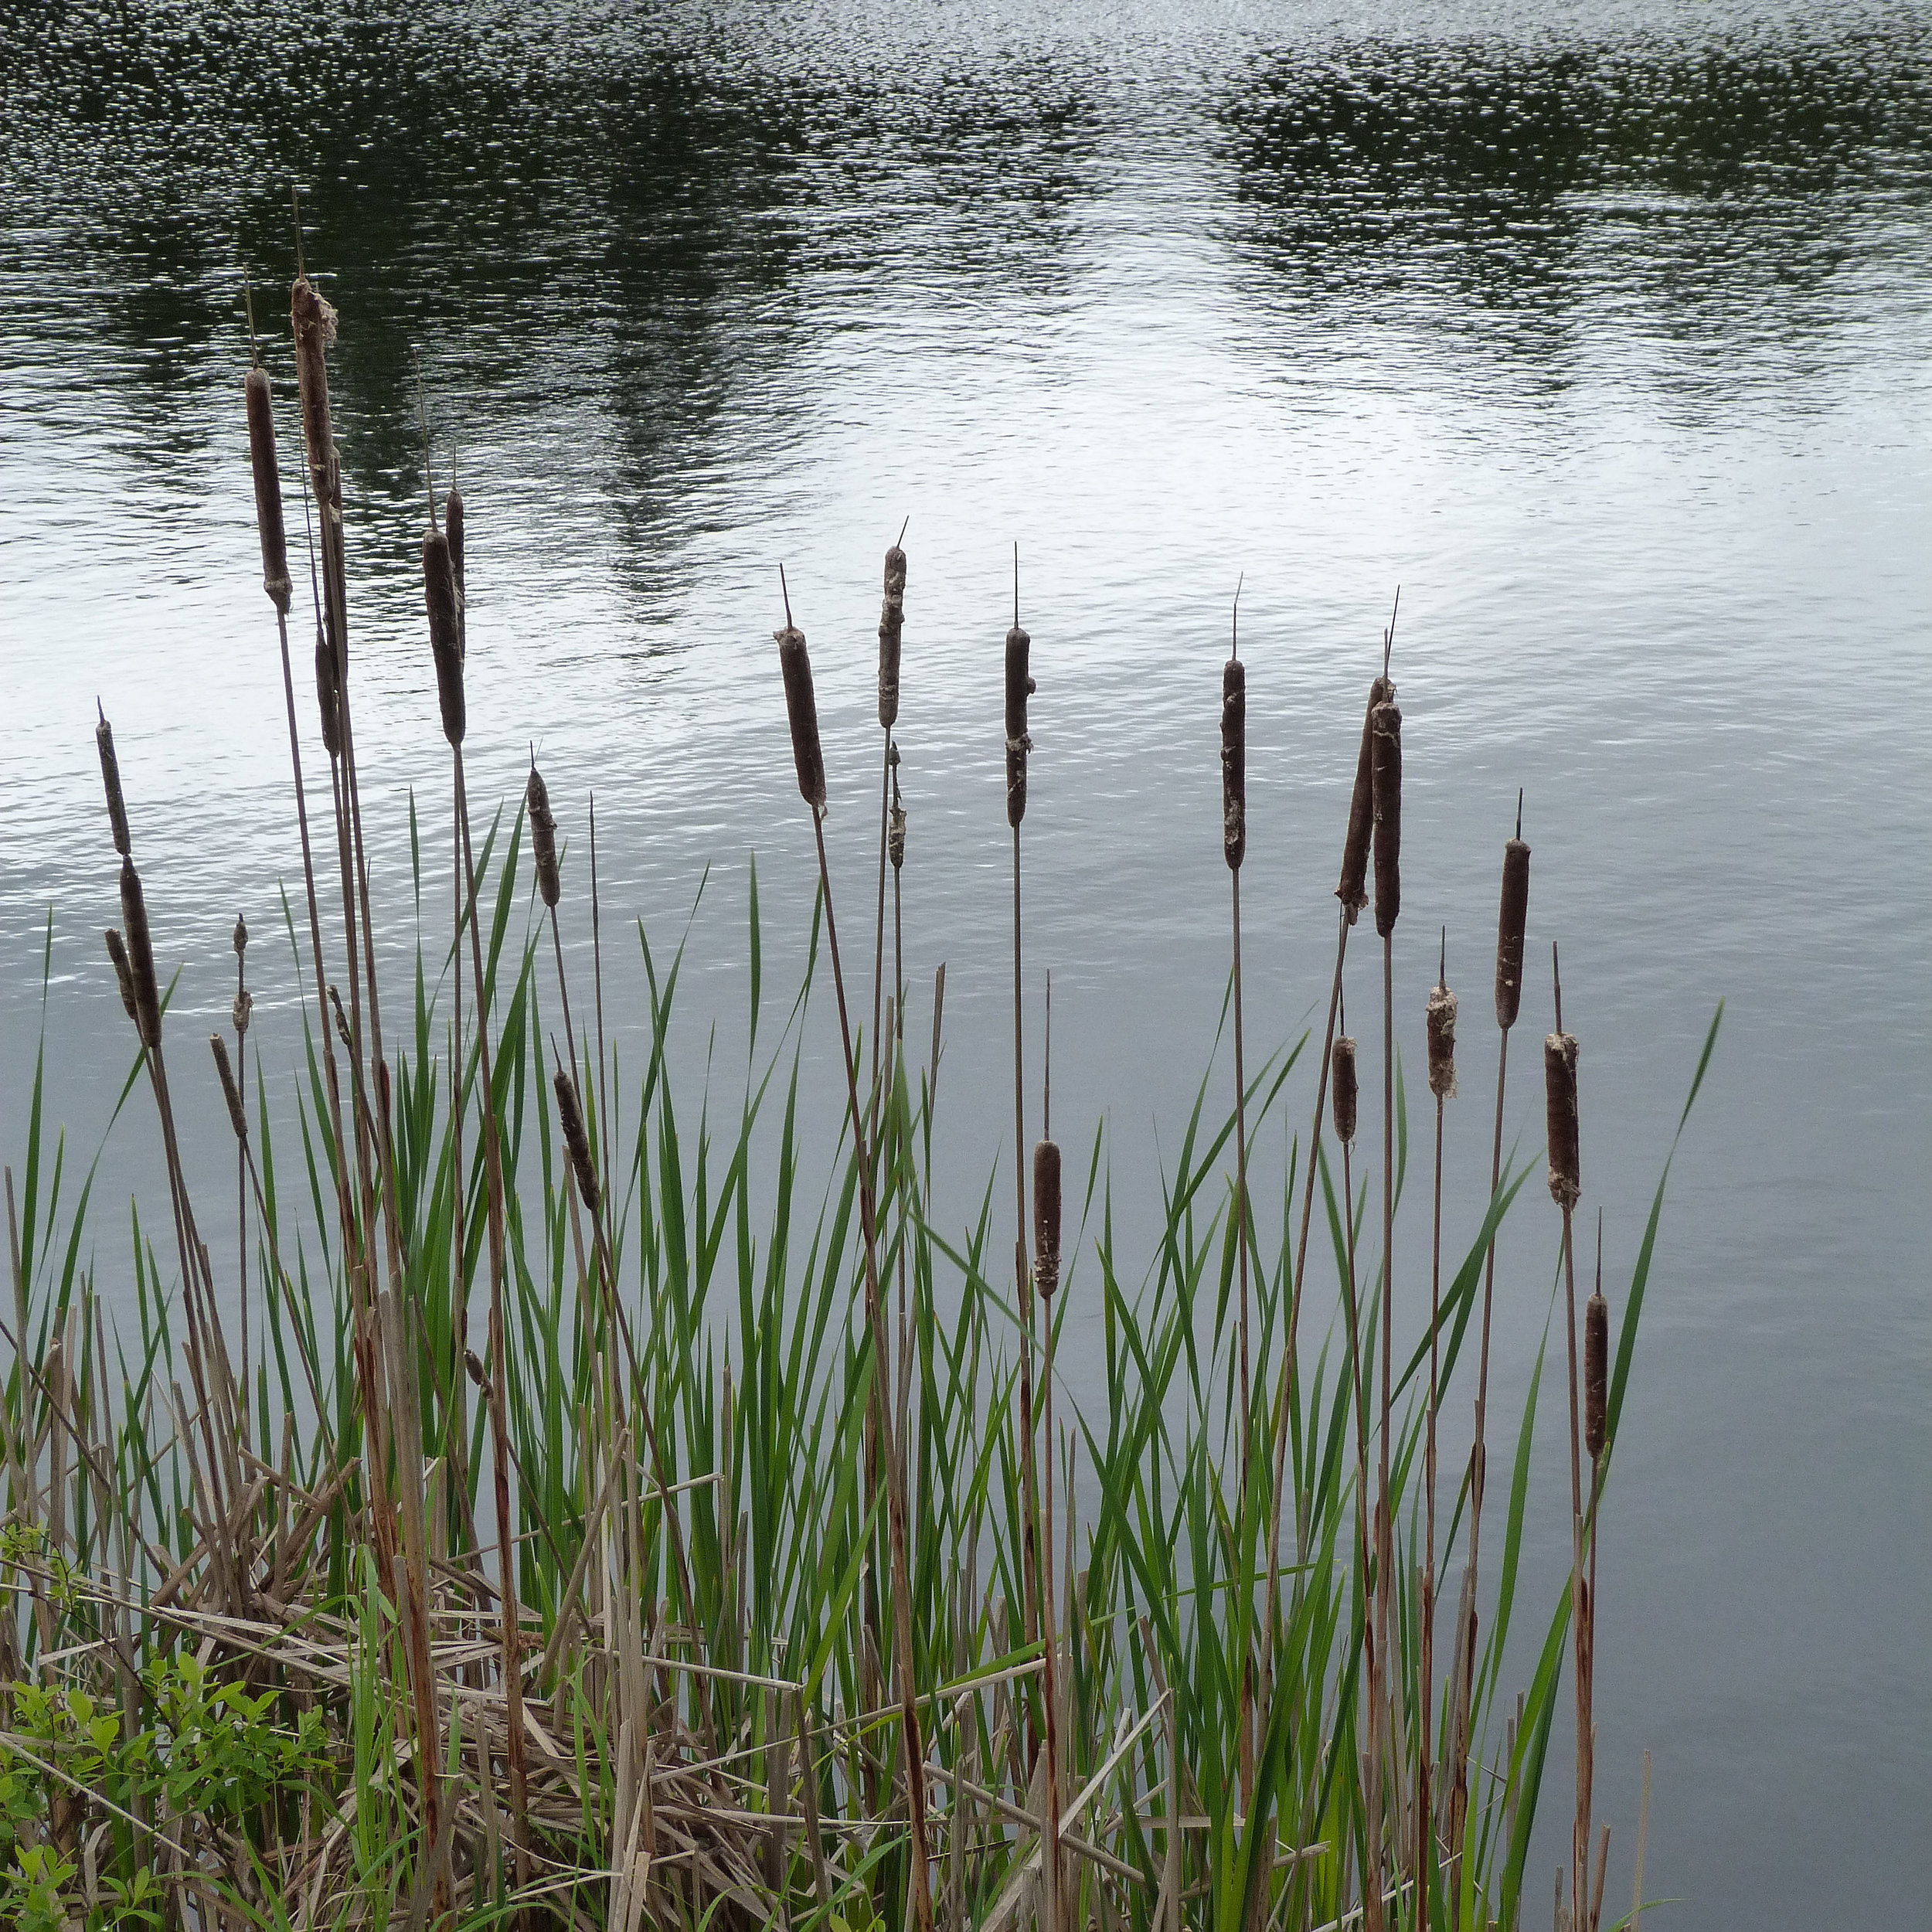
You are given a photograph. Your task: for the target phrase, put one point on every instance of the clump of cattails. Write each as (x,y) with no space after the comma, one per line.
(542,837)
(268,488)
(1234,763)
(1019,687)
(1046,1217)
(1344,1088)
(1385,791)
(1353,889)
(801,706)
(570,1118)
(446,642)
(111,781)
(891,620)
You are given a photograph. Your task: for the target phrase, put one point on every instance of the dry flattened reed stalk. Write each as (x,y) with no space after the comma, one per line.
(268,489)
(1353,889)
(1344,1090)
(111,781)
(570,1117)
(446,644)
(536,796)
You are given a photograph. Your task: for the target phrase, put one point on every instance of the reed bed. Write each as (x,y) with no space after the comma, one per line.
(773,1608)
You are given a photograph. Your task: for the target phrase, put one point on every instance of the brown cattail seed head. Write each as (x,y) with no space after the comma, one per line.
(892,620)
(1441,1016)
(241,937)
(1560,1095)
(1046,1217)
(1386,784)
(141,955)
(110,781)
(446,645)
(1234,763)
(542,837)
(1019,687)
(801,706)
(124,973)
(1353,889)
(453,529)
(243,1010)
(1510,923)
(268,488)
(328,695)
(895,827)
(237,1113)
(314,329)
(1344,1088)
(570,1117)
(1596,1373)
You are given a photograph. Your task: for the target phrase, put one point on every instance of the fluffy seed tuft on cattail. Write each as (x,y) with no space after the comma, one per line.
(1560,1095)
(268,488)
(314,323)
(1441,1018)
(1353,889)
(110,781)
(1386,790)
(237,1113)
(1046,1217)
(1510,923)
(801,707)
(243,1010)
(141,955)
(1234,763)
(891,620)
(1019,687)
(124,973)
(446,646)
(542,837)
(570,1117)
(1596,1373)
(1344,1088)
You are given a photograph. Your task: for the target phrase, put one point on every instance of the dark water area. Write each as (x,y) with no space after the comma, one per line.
(1601,330)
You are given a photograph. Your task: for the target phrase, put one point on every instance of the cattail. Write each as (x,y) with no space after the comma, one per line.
(1046,1217)
(895,826)
(237,1113)
(240,938)
(111,779)
(438,595)
(140,956)
(124,973)
(268,488)
(1234,762)
(1352,891)
(243,1010)
(802,708)
(328,695)
(314,329)
(1441,1016)
(1019,687)
(892,620)
(570,1117)
(1510,922)
(542,837)
(1595,1372)
(1342,1085)
(1386,784)
(453,529)
(1560,1093)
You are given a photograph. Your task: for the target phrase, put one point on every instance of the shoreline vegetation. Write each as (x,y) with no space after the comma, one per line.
(573,1530)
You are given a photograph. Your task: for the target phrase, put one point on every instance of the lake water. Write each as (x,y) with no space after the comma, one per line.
(1602,330)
